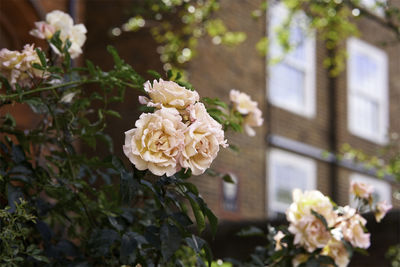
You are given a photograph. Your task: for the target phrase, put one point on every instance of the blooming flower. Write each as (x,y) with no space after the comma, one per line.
(17,66)
(156,142)
(299,259)
(202,140)
(168,94)
(60,21)
(309,230)
(381,209)
(352,227)
(245,106)
(337,251)
(278,237)
(361,190)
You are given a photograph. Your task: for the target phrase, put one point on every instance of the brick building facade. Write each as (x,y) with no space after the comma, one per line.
(304,123)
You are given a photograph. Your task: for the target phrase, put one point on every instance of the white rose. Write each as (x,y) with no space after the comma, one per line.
(338,252)
(278,237)
(61,21)
(77,38)
(202,140)
(253,119)
(361,190)
(245,106)
(242,102)
(381,209)
(170,94)
(353,231)
(309,231)
(156,142)
(17,66)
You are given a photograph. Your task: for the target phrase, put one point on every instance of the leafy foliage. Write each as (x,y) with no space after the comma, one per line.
(66,207)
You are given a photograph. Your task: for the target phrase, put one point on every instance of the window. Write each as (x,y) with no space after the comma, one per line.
(230,194)
(287,171)
(382,189)
(376,6)
(367,84)
(291,82)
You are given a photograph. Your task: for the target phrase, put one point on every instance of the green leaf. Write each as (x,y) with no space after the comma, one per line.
(42,57)
(321,218)
(91,68)
(213,220)
(113,113)
(183,174)
(37,105)
(170,240)
(227,178)
(361,251)
(198,214)
(117,60)
(154,73)
(128,248)
(251,231)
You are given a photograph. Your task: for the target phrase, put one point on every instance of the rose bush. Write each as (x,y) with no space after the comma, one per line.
(65,204)
(319,233)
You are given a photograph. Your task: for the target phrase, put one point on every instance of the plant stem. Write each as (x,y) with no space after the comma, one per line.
(2,97)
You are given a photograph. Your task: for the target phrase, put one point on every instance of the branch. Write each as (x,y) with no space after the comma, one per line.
(384,21)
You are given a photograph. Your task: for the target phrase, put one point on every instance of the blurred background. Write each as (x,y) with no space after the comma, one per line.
(331,113)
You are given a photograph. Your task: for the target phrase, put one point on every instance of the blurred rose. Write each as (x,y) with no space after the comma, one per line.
(338,252)
(353,231)
(381,209)
(61,21)
(156,142)
(169,94)
(278,237)
(202,140)
(245,106)
(361,190)
(17,66)
(309,231)
(299,259)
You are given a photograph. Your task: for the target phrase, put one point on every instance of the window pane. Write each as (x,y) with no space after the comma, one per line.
(297,40)
(365,73)
(287,178)
(287,85)
(365,115)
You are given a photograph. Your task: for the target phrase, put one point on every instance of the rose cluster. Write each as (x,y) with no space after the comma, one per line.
(179,134)
(317,224)
(62,22)
(16,66)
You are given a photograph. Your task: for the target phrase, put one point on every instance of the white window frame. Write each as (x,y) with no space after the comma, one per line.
(308,107)
(373,6)
(277,156)
(233,189)
(383,188)
(380,136)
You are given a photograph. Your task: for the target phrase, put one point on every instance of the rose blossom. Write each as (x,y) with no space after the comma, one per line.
(381,209)
(278,237)
(168,94)
(338,252)
(202,140)
(352,228)
(309,231)
(361,190)
(299,259)
(60,21)
(245,106)
(156,142)
(17,66)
